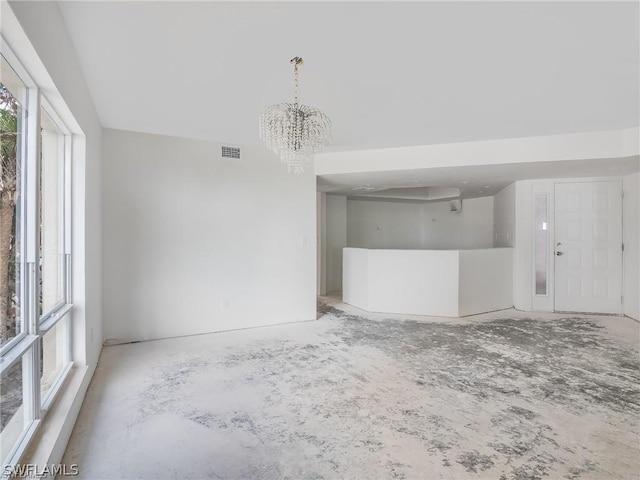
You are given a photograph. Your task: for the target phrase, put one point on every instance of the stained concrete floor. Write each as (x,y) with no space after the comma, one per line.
(354,395)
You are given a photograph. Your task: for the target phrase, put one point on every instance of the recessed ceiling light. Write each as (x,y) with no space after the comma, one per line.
(364,188)
(487,186)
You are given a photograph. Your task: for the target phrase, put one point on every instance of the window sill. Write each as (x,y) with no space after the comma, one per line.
(50,441)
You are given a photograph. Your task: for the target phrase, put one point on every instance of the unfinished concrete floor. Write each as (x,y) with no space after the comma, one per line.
(355,395)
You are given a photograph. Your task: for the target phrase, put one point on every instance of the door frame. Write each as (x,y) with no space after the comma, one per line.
(546,302)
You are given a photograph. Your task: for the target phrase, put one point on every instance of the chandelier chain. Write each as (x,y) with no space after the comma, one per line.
(296,87)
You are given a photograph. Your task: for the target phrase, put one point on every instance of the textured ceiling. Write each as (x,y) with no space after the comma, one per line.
(388,74)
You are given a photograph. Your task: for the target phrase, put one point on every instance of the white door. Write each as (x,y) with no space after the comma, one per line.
(588,247)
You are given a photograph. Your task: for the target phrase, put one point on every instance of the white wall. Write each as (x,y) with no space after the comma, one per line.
(548,148)
(631,233)
(504,217)
(336,240)
(384,224)
(321,239)
(413,225)
(470,228)
(195,244)
(523,253)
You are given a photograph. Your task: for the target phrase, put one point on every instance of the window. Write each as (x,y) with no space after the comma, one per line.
(12,421)
(35,257)
(541,243)
(12,114)
(52,252)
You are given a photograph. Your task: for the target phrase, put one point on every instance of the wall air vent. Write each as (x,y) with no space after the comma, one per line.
(230,152)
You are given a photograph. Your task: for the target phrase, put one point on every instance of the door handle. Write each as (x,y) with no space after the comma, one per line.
(558,254)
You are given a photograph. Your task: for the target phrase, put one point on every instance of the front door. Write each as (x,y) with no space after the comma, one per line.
(588,247)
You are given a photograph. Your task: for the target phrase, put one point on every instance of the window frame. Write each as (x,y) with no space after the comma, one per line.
(26,347)
(541,256)
(49,318)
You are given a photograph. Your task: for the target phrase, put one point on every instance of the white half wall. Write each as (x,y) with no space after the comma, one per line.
(415,225)
(413,282)
(418,282)
(336,240)
(448,283)
(355,284)
(631,238)
(486,280)
(194,243)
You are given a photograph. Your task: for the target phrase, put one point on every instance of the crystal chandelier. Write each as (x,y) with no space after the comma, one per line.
(294,131)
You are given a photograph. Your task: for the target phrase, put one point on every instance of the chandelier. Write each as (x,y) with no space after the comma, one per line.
(294,131)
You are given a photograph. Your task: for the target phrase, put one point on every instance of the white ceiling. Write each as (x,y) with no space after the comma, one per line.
(387,73)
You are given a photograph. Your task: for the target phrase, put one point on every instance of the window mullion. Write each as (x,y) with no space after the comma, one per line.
(31,363)
(32,190)
(66,342)
(31,383)
(67,217)
(67,355)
